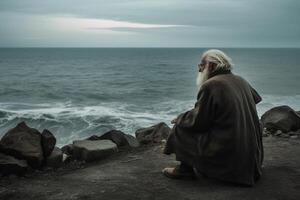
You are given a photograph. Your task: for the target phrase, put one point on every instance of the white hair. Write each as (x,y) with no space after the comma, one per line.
(222,61)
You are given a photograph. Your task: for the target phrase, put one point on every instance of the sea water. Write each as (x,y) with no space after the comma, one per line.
(77,92)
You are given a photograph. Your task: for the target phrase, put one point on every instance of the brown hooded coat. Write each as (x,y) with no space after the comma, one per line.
(221,137)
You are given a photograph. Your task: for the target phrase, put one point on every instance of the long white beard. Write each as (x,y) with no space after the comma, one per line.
(202,77)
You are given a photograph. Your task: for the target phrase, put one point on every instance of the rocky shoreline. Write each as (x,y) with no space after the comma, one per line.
(24,149)
(281,121)
(28,156)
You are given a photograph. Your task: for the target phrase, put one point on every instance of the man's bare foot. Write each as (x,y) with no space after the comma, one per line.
(175,173)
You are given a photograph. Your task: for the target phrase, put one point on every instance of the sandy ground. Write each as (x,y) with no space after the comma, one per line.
(137,175)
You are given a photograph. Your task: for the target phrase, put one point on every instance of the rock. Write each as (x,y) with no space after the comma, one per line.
(281,118)
(266,132)
(92,150)
(93,137)
(68,149)
(55,159)
(48,142)
(153,134)
(118,137)
(132,141)
(278,132)
(10,165)
(24,143)
(270,131)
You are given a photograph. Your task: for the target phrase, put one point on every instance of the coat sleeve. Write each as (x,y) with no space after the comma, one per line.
(200,117)
(257,98)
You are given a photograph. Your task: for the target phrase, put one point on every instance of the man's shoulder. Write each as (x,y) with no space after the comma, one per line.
(224,79)
(224,82)
(218,80)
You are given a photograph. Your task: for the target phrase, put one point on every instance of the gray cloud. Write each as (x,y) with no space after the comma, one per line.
(208,23)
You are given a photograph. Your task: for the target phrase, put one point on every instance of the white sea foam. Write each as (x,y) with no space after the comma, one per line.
(69,122)
(81,121)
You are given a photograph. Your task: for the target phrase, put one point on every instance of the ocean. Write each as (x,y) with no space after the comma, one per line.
(77,92)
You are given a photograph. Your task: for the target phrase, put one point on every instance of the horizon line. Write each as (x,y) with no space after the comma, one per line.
(162,47)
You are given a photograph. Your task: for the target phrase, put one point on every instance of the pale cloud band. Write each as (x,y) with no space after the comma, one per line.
(88,23)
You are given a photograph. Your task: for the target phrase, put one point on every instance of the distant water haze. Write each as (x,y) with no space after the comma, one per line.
(76,92)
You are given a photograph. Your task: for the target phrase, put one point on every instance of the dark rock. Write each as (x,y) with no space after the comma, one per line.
(277,133)
(118,137)
(270,131)
(153,134)
(68,149)
(55,159)
(89,150)
(24,143)
(48,142)
(10,165)
(266,132)
(132,141)
(93,137)
(281,118)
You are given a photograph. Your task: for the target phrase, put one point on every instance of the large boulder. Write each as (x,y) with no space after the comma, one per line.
(132,141)
(281,118)
(24,143)
(153,134)
(48,142)
(10,165)
(92,150)
(55,159)
(118,137)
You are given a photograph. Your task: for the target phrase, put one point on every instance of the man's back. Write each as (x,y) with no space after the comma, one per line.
(231,149)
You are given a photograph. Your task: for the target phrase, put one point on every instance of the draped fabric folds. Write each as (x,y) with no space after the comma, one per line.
(221,137)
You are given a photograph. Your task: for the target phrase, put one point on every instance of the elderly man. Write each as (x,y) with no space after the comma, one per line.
(221,137)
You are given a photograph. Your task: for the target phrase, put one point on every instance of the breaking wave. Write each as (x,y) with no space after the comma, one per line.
(69,122)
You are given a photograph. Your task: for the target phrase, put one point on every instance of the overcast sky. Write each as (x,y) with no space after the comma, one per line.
(150,23)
